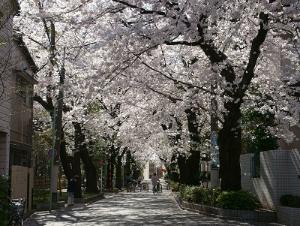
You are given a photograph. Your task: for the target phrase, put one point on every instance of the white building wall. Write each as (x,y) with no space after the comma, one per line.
(279,175)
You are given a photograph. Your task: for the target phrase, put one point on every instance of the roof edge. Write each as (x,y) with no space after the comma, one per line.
(19,41)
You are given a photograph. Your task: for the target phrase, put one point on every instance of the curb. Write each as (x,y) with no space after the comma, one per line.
(59,207)
(191,208)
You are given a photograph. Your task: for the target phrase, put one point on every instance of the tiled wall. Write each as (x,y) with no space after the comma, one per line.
(279,175)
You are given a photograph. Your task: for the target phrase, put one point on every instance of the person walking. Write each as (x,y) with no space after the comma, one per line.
(155,182)
(71,190)
(139,182)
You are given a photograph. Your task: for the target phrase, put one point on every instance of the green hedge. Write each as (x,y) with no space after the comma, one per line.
(240,200)
(199,195)
(4,200)
(174,186)
(290,201)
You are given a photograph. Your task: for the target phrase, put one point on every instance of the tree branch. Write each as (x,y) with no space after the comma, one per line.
(142,10)
(190,85)
(254,54)
(168,96)
(48,106)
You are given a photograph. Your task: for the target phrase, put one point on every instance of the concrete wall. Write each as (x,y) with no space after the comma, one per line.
(279,175)
(22,183)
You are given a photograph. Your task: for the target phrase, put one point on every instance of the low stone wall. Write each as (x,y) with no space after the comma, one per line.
(243,215)
(90,199)
(288,215)
(62,204)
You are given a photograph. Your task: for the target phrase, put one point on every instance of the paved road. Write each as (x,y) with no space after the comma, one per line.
(140,208)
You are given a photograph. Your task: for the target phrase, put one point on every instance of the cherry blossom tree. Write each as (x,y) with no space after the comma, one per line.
(164,63)
(232,35)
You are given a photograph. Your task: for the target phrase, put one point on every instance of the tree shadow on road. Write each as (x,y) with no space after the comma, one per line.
(128,209)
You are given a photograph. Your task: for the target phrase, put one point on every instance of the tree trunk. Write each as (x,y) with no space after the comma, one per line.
(90,172)
(127,167)
(77,175)
(89,167)
(193,169)
(119,178)
(65,158)
(230,149)
(111,168)
(193,161)
(182,169)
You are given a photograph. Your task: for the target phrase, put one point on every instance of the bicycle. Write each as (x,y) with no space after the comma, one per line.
(16,212)
(131,186)
(157,188)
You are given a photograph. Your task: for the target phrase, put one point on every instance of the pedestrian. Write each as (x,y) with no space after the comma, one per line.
(139,181)
(71,190)
(155,182)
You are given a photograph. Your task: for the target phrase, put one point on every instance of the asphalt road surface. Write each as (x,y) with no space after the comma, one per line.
(136,208)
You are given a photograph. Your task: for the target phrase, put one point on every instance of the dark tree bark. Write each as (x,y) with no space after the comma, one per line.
(77,163)
(230,150)
(66,160)
(111,168)
(89,167)
(127,167)
(77,175)
(119,177)
(182,169)
(193,160)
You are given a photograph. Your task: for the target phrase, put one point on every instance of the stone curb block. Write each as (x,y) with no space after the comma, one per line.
(242,215)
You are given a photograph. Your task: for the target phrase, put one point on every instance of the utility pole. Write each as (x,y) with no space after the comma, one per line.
(57,129)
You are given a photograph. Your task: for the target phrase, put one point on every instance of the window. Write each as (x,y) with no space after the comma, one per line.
(20,157)
(24,91)
(255,165)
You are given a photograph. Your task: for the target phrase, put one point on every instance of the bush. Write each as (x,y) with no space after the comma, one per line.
(238,200)
(41,196)
(115,190)
(174,186)
(199,195)
(4,199)
(290,201)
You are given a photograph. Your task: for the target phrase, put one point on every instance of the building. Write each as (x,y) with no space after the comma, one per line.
(17,70)
(8,9)
(21,127)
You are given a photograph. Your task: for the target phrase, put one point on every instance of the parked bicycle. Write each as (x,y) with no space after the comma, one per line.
(131,186)
(16,212)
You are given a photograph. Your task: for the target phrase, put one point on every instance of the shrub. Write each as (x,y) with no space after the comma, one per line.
(174,186)
(238,200)
(187,192)
(199,195)
(4,199)
(115,190)
(41,195)
(290,200)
